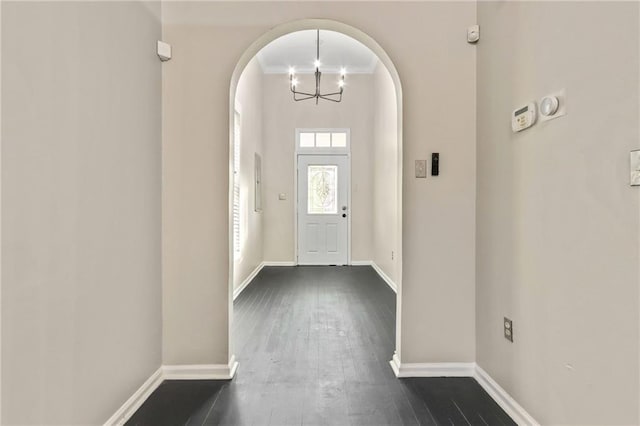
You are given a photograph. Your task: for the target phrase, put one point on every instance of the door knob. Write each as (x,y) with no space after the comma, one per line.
(344,215)
(344,208)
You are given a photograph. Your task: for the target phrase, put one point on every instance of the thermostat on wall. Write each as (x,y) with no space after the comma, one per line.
(523,118)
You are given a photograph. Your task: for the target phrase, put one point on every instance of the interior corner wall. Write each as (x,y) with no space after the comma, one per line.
(385,179)
(81,143)
(282,115)
(438,270)
(557,223)
(249,105)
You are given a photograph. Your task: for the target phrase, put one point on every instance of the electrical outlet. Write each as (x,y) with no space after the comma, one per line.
(391,254)
(508,329)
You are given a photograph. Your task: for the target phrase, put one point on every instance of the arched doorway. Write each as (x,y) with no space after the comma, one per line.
(366,40)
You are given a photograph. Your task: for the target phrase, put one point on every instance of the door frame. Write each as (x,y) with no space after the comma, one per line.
(297,152)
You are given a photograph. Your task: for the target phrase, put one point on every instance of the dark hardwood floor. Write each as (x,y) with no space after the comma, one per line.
(314,345)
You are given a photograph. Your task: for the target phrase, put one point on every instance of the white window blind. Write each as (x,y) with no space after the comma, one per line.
(236,181)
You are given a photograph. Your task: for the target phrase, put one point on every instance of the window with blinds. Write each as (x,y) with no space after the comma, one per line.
(236,182)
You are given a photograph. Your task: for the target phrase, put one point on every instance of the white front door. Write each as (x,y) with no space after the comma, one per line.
(323,210)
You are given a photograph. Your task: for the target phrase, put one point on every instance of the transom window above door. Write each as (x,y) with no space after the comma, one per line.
(322,139)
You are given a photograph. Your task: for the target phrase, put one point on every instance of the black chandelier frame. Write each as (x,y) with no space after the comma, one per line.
(303,96)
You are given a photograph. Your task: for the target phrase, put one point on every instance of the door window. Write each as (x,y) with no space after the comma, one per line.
(322,196)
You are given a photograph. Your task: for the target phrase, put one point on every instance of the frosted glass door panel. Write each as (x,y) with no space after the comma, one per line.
(322,187)
(323,211)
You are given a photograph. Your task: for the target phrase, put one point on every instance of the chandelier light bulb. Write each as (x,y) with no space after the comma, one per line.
(334,95)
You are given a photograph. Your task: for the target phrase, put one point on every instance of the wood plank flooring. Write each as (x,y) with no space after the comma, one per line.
(314,345)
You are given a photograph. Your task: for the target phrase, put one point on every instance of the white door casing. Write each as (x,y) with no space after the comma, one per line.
(323,209)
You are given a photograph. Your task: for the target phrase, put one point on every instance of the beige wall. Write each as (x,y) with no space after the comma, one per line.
(438,311)
(195,228)
(282,115)
(249,105)
(385,179)
(81,307)
(557,221)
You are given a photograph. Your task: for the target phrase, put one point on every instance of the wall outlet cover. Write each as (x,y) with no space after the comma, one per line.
(508,329)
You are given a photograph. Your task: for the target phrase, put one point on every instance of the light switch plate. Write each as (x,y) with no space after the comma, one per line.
(421,168)
(282,196)
(634,168)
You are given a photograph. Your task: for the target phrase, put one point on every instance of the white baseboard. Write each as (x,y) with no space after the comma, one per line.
(432,369)
(395,364)
(247,281)
(132,404)
(201,371)
(385,277)
(278,263)
(503,399)
(466,369)
(379,270)
(171,372)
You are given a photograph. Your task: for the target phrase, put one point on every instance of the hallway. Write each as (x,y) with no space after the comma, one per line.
(313,345)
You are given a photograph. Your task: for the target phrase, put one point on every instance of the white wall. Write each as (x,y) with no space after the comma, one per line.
(438,308)
(385,179)
(81,307)
(282,115)
(557,221)
(249,105)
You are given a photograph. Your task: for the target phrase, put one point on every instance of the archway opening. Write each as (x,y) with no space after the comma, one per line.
(258,204)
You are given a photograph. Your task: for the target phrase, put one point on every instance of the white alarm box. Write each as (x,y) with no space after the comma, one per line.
(523,118)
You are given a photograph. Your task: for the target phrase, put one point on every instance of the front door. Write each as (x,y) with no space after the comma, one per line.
(323,210)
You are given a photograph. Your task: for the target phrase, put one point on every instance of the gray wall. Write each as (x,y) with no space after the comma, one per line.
(557,226)
(81,141)
(437,67)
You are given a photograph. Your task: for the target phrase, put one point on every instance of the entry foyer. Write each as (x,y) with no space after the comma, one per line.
(117,269)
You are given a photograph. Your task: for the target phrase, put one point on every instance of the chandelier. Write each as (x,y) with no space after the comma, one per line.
(302,96)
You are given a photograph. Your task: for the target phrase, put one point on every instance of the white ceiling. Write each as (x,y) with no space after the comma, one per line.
(298,50)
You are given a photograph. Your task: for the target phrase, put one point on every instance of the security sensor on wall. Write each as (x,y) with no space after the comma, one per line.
(473,34)
(549,106)
(553,105)
(164,51)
